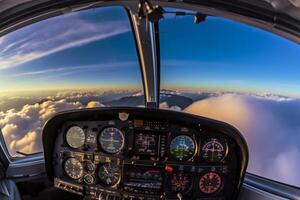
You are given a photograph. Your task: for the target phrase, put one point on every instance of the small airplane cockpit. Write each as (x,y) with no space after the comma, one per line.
(149,100)
(144,154)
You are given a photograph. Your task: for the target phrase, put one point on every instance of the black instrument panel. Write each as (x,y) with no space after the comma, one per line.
(138,153)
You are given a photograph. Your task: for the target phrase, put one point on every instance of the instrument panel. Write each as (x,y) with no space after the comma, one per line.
(148,154)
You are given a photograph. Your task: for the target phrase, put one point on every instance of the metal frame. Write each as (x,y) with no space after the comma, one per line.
(271,187)
(146,43)
(149,60)
(148,54)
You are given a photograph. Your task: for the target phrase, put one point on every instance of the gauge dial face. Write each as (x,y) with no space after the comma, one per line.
(181,182)
(73,168)
(213,150)
(111,140)
(89,167)
(75,137)
(182,147)
(109,174)
(210,183)
(89,179)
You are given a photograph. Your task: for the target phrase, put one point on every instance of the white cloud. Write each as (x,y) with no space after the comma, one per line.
(165,105)
(287,166)
(22,129)
(93,104)
(54,70)
(2,39)
(271,128)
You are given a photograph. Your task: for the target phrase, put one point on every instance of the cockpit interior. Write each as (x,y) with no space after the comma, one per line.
(144,154)
(140,152)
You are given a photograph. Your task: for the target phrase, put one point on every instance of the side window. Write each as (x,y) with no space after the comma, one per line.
(78,60)
(242,75)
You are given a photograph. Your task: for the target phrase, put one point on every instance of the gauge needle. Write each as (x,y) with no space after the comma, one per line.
(106,171)
(179,196)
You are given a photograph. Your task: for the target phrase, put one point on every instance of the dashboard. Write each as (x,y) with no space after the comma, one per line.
(139,153)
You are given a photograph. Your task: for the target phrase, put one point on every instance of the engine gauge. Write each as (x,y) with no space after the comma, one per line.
(180,182)
(183,147)
(213,150)
(89,179)
(73,168)
(89,167)
(109,174)
(210,183)
(75,137)
(111,140)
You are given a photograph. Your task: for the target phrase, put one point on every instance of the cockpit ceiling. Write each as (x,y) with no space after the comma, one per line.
(7,4)
(290,8)
(281,17)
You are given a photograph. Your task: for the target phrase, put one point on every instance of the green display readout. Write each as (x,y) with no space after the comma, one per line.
(182,147)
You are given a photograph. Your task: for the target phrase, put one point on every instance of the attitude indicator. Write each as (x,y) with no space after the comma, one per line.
(182,147)
(111,140)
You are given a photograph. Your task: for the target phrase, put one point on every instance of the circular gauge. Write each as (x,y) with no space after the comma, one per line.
(89,167)
(213,150)
(180,182)
(89,179)
(182,147)
(75,137)
(109,174)
(111,140)
(210,183)
(73,168)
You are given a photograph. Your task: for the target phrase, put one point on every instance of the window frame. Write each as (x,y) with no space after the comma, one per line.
(268,185)
(33,164)
(25,15)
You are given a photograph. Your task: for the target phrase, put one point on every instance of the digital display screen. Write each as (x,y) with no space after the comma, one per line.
(143,177)
(145,144)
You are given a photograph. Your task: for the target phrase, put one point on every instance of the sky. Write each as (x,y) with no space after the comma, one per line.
(77,50)
(222,54)
(94,49)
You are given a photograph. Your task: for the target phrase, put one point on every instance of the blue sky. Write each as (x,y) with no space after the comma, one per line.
(87,49)
(224,54)
(95,49)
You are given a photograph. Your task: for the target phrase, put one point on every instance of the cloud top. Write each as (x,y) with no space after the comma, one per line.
(270,126)
(22,130)
(271,129)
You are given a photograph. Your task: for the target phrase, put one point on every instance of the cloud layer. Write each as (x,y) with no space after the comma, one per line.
(22,130)
(271,128)
(270,125)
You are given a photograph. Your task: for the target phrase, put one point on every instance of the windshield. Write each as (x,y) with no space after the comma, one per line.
(239,74)
(78,60)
